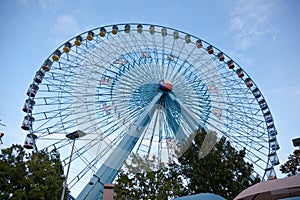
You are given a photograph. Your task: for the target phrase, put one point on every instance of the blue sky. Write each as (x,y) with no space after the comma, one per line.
(261,35)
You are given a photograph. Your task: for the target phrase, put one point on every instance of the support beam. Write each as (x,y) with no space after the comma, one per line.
(109,169)
(191,120)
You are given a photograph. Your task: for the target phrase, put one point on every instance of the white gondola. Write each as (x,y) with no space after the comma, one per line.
(32,90)
(127,28)
(176,35)
(27,123)
(210,49)
(47,65)
(199,43)
(39,76)
(1,136)
(163,31)
(139,28)
(187,38)
(29,141)
(152,29)
(28,105)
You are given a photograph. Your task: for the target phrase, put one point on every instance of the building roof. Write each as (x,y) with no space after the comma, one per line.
(272,189)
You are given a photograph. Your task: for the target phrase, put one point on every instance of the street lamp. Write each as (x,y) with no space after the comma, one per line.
(296,142)
(72,136)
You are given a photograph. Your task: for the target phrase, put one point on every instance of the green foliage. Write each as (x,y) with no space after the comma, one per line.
(29,176)
(143,180)
(203,167)
(223,171)
(292,165)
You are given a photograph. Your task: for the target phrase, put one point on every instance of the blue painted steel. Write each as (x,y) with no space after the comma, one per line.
(108,171)
(193,123)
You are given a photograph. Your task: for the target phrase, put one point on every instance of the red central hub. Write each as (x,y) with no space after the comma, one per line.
(165,85)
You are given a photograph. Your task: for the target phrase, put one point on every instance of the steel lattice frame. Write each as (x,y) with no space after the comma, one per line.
(103,80)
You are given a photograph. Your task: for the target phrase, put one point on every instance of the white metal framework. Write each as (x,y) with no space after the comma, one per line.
(142,88)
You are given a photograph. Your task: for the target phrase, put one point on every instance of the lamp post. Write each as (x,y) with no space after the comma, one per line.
(296,142)
(72,136)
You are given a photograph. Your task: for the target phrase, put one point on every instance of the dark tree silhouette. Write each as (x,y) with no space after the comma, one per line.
(142,180)
(222,171)
(292,165)
(30,175)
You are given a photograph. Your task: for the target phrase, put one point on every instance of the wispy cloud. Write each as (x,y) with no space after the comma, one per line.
(46,5)
(63,28)
(50,4)
(66,24)
(251,21)
(288,91)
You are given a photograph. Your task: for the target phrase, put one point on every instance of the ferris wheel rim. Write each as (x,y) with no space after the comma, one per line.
(227,58)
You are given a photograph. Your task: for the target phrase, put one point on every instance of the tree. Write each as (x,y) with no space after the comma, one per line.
(141,179)
(223,171)
(292,165)
(202,167)
(29,176)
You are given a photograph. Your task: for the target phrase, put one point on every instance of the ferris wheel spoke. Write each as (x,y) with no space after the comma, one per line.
(103,83)
(240,133)
(92,163)
(57,144)
(55,123)
(145,143)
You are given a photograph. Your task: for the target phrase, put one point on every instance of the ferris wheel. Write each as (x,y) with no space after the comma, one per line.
(144,89)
